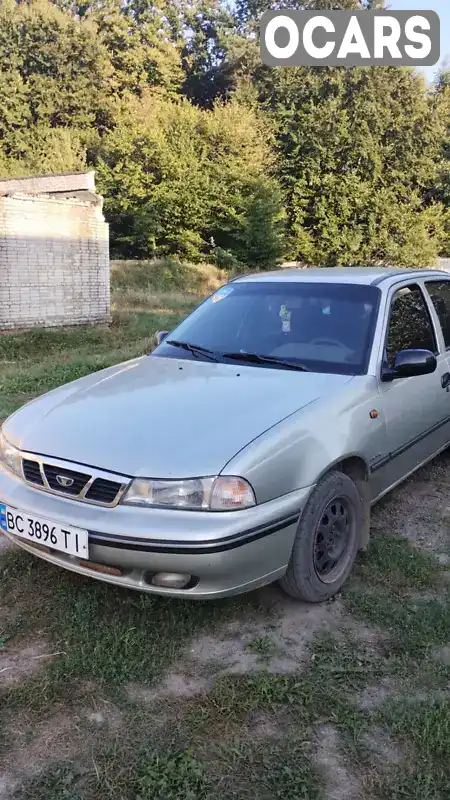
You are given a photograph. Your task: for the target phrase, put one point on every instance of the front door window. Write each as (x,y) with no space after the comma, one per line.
(410,326)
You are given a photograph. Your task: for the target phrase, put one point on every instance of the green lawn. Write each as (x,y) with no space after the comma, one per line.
(113,695)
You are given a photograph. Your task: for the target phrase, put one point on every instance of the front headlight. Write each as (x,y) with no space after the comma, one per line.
(10,456)
(225,493)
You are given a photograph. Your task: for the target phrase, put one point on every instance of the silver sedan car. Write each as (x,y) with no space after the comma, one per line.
(248,447)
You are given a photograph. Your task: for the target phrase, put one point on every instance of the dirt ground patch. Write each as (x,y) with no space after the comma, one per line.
(420,509)
(340,783)
(7,787)
(23,661)
(384,751)
(442,654)
(373,696)
(264,726)
(278,646)
(176,685)
(64,736)
(5,544)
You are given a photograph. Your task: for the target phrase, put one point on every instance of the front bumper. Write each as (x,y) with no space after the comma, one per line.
(225,552)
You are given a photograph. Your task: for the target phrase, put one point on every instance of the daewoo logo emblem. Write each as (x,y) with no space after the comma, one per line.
(64,481)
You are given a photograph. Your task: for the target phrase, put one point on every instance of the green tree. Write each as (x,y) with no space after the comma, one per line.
(45,150)
(328,165)
(143,47)
(61,64)
(358,151)
(176,179)
(440,189)
(248,12)
(214,53)
(71,70)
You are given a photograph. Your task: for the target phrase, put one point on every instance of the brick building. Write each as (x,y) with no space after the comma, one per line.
(54,252)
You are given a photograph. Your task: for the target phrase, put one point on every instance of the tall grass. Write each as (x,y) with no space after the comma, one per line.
(165,275)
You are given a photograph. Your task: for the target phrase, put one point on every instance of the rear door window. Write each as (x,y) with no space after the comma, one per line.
(439,292)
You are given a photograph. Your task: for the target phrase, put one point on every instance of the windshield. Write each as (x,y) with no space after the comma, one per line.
(326,327)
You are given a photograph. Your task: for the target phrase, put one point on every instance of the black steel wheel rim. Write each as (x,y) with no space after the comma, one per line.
(332,538)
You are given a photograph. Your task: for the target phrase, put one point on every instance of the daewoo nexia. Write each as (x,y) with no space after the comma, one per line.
(248,447)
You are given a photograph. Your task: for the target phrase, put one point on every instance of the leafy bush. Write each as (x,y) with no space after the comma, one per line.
(174,176)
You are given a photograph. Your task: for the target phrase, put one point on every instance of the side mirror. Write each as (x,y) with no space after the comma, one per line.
(160,336)
(409,363)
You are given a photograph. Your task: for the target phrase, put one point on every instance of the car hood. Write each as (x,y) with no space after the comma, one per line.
(163,417)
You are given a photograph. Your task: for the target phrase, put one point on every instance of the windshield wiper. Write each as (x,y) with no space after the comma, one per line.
(196,349)
(258,359)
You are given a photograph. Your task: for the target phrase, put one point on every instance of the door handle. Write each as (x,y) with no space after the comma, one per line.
(445,380)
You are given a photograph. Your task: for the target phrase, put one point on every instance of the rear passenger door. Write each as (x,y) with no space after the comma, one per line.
(416,409)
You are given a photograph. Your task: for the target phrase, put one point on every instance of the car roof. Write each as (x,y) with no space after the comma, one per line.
(357,275)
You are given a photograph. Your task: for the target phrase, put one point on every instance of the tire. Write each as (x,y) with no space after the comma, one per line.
(333,518)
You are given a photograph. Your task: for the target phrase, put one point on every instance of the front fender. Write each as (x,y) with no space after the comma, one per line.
(299,450)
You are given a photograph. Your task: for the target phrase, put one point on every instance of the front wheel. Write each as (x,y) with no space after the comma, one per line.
(327,540)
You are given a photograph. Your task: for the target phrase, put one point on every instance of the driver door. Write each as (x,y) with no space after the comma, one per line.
(416,409)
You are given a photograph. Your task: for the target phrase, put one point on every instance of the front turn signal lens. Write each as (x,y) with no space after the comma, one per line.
(231,493)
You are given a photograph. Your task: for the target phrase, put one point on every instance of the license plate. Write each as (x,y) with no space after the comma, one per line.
(44,532)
